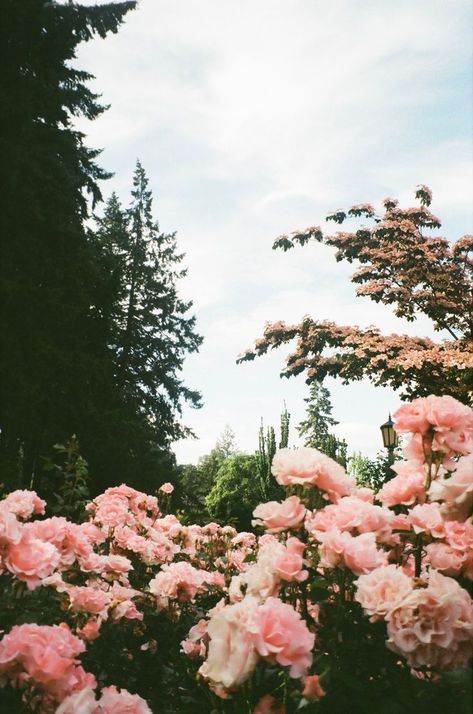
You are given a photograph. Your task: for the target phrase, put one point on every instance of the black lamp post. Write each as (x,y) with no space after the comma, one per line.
(389,441)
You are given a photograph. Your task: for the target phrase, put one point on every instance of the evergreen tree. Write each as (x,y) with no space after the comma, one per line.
(268,486)
(316,427)
(149,332)
(54,364)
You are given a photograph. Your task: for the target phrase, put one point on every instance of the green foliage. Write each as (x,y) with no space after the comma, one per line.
(372,473)
(148,332)
(194,483)
(68,481)
(316,427)
(236,492)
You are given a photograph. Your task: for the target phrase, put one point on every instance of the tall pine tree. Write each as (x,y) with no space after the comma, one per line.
(149,330)
(315,428)
(54,364)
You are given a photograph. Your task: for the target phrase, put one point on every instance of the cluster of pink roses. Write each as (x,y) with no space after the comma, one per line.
(397,553)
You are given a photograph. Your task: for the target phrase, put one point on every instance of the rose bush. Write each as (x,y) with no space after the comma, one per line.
(342,600)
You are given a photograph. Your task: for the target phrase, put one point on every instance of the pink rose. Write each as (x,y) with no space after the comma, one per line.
(166,488)
(381,590)
(433,626)
(313,690)
(277,517)
(456,489)
(361,554)
(309,467)
(407,487)
(114,701)
(445,558)
(23,503)
(288,566)
(31,560)
(82,702)
(231,654)
(426,518)
(280,635)
(48,657)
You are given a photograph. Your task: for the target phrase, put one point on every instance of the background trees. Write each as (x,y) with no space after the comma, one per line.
(404,266)
(315,428)
(148,333)
(94,332)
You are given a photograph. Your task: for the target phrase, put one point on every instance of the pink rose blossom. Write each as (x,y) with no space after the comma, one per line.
(426,518)
(48,656)
(280,635)
(31,560)
(456,490)
(381,590)
(288,566)
(23,503)
(407,487)
(231,654)
(82,702)
(166,488)
(433,626)
(114,701)
(361,554)
(309,467)
(445,558)
(313,690)
(277,517)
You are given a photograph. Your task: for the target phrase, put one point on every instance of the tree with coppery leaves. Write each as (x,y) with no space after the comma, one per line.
(401,264)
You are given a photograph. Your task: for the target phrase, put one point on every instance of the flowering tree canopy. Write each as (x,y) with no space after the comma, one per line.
(400,264)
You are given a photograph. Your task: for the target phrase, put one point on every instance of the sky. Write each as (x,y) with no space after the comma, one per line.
(258,117)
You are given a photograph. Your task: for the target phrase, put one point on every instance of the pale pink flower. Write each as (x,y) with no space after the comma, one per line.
(82,702)
(89,599)
(313,691)
(456,490)
(176,581)
(459,535)
(407,487)
(280,635)
(10,528)
(114,701)
(31,560)
(445,558)
(166,488)
(289,565)
(364,494)
(231,653)
(361,554)
(433,626)
(381,590)
(445,424)
(426,518)
(277,517)
(309,467)
(91,629)
(48,656)
(23,503)
(113,511)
